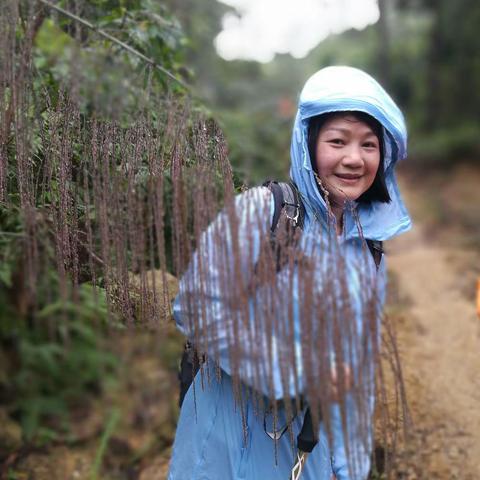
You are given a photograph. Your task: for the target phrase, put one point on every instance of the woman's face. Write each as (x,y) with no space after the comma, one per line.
(348,156)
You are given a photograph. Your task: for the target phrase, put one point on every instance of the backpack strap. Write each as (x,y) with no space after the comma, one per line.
(277,193)
(376,249)
(286,197)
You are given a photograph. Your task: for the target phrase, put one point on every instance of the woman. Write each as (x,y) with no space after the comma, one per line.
(348,136)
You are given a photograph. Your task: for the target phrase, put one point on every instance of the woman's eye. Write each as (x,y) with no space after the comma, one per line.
(370,145)
(336,141)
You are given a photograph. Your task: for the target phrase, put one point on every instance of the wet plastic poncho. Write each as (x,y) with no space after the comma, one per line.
(213,441)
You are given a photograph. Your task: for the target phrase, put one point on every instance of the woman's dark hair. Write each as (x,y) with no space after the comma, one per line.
(378,191)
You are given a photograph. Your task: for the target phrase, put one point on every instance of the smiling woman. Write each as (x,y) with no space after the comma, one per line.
(346,150)
(291,328)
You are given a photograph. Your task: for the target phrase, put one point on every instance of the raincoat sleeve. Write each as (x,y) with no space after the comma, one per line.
(214,307)
(360,442)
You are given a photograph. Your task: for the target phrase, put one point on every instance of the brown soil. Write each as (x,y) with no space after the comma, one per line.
(439,338)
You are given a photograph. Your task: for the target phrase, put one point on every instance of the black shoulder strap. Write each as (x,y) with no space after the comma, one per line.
(286,197)
(376,249)
(277,193)
(307,438)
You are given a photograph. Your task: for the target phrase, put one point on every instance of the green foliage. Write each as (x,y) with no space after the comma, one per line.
(57,359)
(109,78)
(376,476)
(11,231)
(110,426)
(55,347)
(172,349)
(430,55)
(441,146)
(259,143)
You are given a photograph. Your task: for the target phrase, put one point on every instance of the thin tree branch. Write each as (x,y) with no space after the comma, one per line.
(118,42)
(12,234)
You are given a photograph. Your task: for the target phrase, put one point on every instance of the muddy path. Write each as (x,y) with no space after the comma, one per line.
(439,339)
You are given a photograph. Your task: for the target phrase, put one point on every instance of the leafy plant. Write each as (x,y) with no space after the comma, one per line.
(94,135)
(57,359)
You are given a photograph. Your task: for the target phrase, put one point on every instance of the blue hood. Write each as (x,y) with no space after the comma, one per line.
(335,89)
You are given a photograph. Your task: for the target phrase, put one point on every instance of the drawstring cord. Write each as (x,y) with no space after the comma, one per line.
(299,464)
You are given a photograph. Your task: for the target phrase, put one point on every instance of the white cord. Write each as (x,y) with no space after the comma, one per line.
(299,464)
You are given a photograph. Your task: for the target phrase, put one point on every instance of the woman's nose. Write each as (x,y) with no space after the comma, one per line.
(353,156)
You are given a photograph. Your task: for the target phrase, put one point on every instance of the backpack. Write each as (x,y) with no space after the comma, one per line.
(286,199)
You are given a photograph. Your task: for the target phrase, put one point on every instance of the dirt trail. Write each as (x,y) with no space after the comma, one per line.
(439,337)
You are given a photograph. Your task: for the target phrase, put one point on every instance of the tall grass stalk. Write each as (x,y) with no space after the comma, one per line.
(110,426)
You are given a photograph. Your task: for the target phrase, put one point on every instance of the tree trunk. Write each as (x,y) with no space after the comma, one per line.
(384,42)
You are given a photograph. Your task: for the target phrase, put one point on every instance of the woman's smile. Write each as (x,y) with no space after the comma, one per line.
(348,156)
(348,178)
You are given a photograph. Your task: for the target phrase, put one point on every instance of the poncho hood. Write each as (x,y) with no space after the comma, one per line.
(336,89)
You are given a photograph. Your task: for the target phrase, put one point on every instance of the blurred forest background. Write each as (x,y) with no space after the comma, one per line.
(82,397)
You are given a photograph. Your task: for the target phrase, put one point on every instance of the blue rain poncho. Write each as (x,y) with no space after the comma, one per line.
(214,440)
